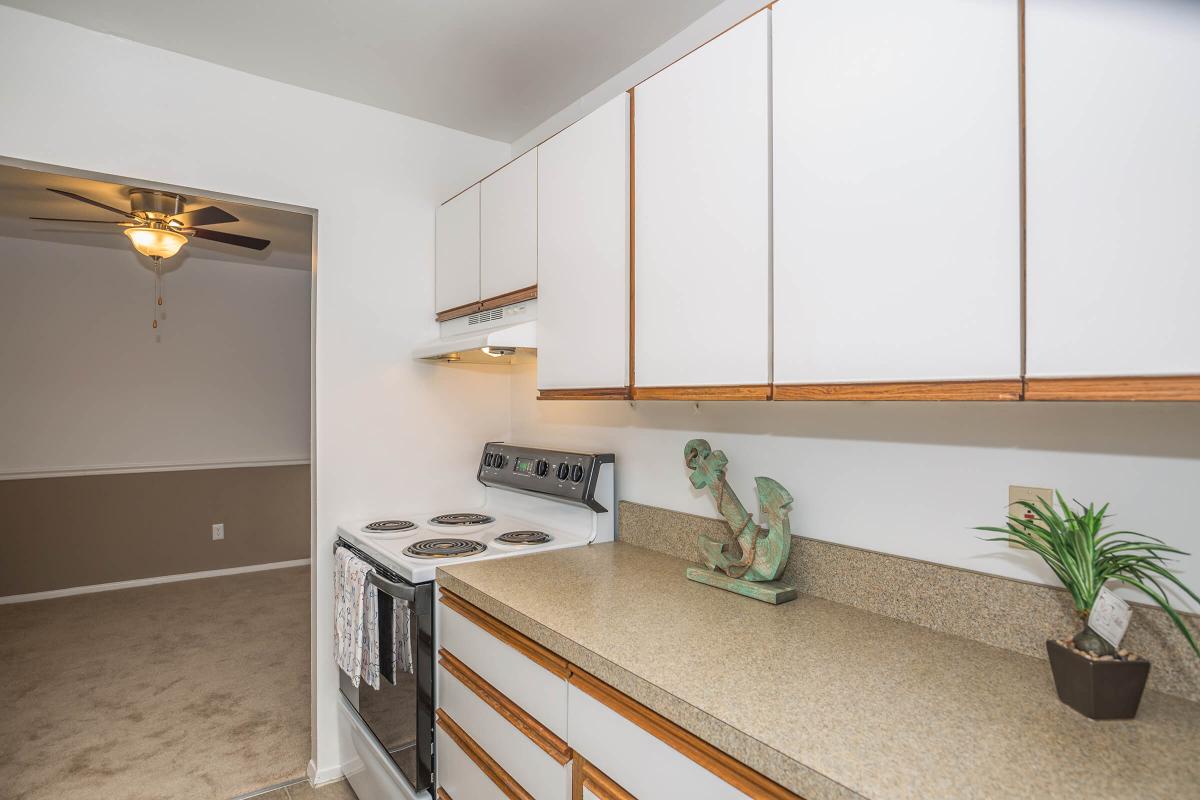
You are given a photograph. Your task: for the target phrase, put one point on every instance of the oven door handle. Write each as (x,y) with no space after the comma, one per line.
(397,591)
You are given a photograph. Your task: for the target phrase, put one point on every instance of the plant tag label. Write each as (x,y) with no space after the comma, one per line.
(1110,617)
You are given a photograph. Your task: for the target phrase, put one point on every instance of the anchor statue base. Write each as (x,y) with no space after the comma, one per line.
(774,592)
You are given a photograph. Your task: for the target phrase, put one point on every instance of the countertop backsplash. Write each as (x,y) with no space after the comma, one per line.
(1003,612)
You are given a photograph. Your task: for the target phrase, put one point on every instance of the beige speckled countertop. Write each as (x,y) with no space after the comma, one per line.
(828,700)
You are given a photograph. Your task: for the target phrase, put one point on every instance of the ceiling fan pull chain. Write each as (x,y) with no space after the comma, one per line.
(157,295)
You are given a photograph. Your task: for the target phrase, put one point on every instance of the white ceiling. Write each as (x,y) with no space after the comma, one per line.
(496,68)
(23,195)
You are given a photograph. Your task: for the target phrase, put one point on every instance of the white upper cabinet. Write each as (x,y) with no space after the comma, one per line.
(896,191)
(701,194)
(1113,165)
(583,252)
(457,273)
(508,227)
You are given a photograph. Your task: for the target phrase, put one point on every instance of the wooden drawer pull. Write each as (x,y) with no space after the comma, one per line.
(487,765)
(518,717)
(586,776)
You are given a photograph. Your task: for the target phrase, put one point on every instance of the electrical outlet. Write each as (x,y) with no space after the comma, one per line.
(1027,494)
(218,531)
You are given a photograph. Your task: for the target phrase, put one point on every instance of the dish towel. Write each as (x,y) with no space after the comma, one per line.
(356,622)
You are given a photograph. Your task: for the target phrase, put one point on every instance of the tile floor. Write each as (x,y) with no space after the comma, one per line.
(340,790)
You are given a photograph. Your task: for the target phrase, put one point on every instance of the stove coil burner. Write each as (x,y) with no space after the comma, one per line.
(444,548)
(389,526)
(461,519)
(524,537)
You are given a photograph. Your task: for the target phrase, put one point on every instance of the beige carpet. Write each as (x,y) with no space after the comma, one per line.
(195,690)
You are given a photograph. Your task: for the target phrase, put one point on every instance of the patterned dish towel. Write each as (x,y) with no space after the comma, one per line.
(356,622)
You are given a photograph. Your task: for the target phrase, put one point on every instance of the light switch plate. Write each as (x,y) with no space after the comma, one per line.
(1029,494)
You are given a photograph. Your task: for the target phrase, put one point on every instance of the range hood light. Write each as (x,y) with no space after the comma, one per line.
(498,352)
(454,357)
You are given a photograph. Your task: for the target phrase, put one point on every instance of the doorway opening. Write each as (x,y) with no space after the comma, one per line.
(155,487)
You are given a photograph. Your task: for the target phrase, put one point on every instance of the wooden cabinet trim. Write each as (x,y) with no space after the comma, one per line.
(697,393)
(722,765)
(615,393)
(487,765)
(508,298)
(632,144)
(1160,388)
(518,717)
(457,311)
(585,775)
(914,390)
(516,296)
(442,794)
(552,663)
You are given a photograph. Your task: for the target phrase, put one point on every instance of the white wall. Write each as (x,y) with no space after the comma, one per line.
(90,386)
(374,178)
(910,479)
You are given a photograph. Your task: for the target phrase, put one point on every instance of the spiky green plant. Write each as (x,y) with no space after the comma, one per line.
(1084,558)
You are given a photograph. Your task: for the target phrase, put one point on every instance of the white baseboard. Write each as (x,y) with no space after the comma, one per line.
(318,777)
(186,576)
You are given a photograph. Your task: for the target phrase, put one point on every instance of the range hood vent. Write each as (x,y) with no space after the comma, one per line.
(498,336)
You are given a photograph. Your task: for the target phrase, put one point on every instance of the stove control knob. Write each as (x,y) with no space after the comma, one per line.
(487,459)
(541,468)
(563,471)
(577,473)
(498,460)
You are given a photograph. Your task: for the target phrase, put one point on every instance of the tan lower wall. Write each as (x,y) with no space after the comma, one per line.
(57,533)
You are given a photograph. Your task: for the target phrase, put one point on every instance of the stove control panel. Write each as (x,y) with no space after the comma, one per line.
(558,474)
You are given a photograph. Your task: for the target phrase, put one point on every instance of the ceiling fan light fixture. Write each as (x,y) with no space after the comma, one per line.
(155,242)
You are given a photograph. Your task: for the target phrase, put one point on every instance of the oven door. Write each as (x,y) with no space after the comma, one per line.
(400,712)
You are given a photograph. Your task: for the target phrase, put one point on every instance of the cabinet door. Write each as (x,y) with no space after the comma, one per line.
(457,274)
(701,215)
(1113,127)
(508,228)
(583,252)
(645,766)
(896,191)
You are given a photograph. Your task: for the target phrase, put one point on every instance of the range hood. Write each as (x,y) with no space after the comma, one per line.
(497,336)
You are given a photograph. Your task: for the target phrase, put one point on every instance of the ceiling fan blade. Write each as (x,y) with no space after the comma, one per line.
(92,202)
(93,221)
(229,238)
(209,215)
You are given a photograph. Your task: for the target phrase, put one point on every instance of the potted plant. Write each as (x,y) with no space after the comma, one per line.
(1091,675)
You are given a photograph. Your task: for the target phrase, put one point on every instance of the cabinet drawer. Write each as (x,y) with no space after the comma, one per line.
(536,759)
(641,763)
(530,676)
(458,775)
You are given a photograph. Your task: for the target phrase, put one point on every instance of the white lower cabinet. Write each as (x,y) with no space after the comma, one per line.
(459,776)
(642,764)
(527,684)
(530,766)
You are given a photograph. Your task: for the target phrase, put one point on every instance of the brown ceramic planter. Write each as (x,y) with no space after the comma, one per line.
(1097,689)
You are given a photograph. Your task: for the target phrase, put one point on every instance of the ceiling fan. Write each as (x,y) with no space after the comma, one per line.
(158,225)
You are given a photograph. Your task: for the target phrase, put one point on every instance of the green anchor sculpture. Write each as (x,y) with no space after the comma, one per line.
(751,563)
